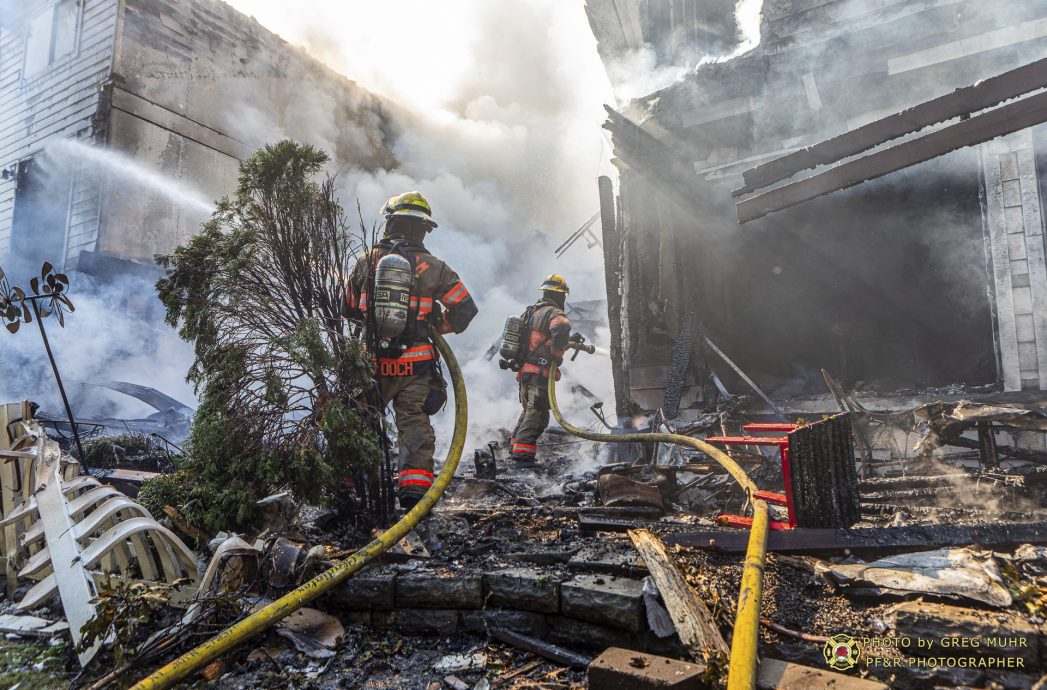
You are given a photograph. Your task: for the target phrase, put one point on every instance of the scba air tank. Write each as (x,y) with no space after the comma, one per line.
(514,339)
(393,282)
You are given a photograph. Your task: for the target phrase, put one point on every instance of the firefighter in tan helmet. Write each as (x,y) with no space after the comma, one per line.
(398,293)
(545,332)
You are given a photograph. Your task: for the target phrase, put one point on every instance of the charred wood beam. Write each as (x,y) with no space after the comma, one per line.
(1027,454)
(611,233)
(564,657)
(955,494)
(960,102)
(864,540)
(979,129)
(884,509)
(602,523)
(660,164)
(913,482)
(679,365)
(988,453)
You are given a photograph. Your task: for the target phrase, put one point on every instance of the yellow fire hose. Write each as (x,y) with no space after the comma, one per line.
(741,674)
(239,633)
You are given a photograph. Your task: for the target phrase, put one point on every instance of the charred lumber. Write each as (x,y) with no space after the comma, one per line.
(1026,454)
(979,129)
(870,539)
(979,96)
(954,493)
(694,622)
(882,509)
(680,363)
(988,453)
(128,481)
(912,481)
(821,464)
(647,155)
(610,232)
(562,656)
(600,523)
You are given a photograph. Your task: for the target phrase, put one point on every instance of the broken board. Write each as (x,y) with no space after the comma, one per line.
(694,622)
(75,586)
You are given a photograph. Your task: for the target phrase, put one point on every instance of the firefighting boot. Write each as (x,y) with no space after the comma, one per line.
(408,501)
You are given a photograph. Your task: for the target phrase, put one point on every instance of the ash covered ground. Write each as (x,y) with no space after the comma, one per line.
(540,520)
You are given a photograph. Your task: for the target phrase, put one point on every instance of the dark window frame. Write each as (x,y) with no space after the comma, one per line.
(54,57)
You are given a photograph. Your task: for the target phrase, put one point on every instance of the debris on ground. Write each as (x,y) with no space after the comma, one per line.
(561,587)
(953,573)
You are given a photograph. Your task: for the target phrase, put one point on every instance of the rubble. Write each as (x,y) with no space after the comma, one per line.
(525,577)
(780,675)
(624,669)
(313,633)
(953,573)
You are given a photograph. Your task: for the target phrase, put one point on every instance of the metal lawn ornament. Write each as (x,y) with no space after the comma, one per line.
(47,296)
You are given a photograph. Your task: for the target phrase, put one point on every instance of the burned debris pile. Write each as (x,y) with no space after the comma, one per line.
(564,574)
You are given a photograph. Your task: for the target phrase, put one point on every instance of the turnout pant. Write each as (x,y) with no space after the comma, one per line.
(417,440)
(534,398)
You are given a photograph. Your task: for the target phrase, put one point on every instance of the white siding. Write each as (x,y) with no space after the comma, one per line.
(60,102)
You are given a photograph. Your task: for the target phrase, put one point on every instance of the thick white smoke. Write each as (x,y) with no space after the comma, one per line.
(99,343)
(497,109)
(505,107)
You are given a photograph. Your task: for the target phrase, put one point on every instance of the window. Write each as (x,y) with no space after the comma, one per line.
(40,218)
(51,36)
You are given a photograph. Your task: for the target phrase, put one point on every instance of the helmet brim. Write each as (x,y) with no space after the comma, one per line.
(414,214)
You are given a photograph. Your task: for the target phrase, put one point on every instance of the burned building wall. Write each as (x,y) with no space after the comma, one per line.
(145,109)
(54,55)
(890,284)
(638,39)
(197,86)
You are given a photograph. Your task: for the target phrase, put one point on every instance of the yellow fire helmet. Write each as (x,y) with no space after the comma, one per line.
(409,204)
(555,283)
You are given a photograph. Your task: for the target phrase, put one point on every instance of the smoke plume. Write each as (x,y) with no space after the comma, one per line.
(502,134)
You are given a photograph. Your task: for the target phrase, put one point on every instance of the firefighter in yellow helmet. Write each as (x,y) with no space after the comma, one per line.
(547,333)
(397,294)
